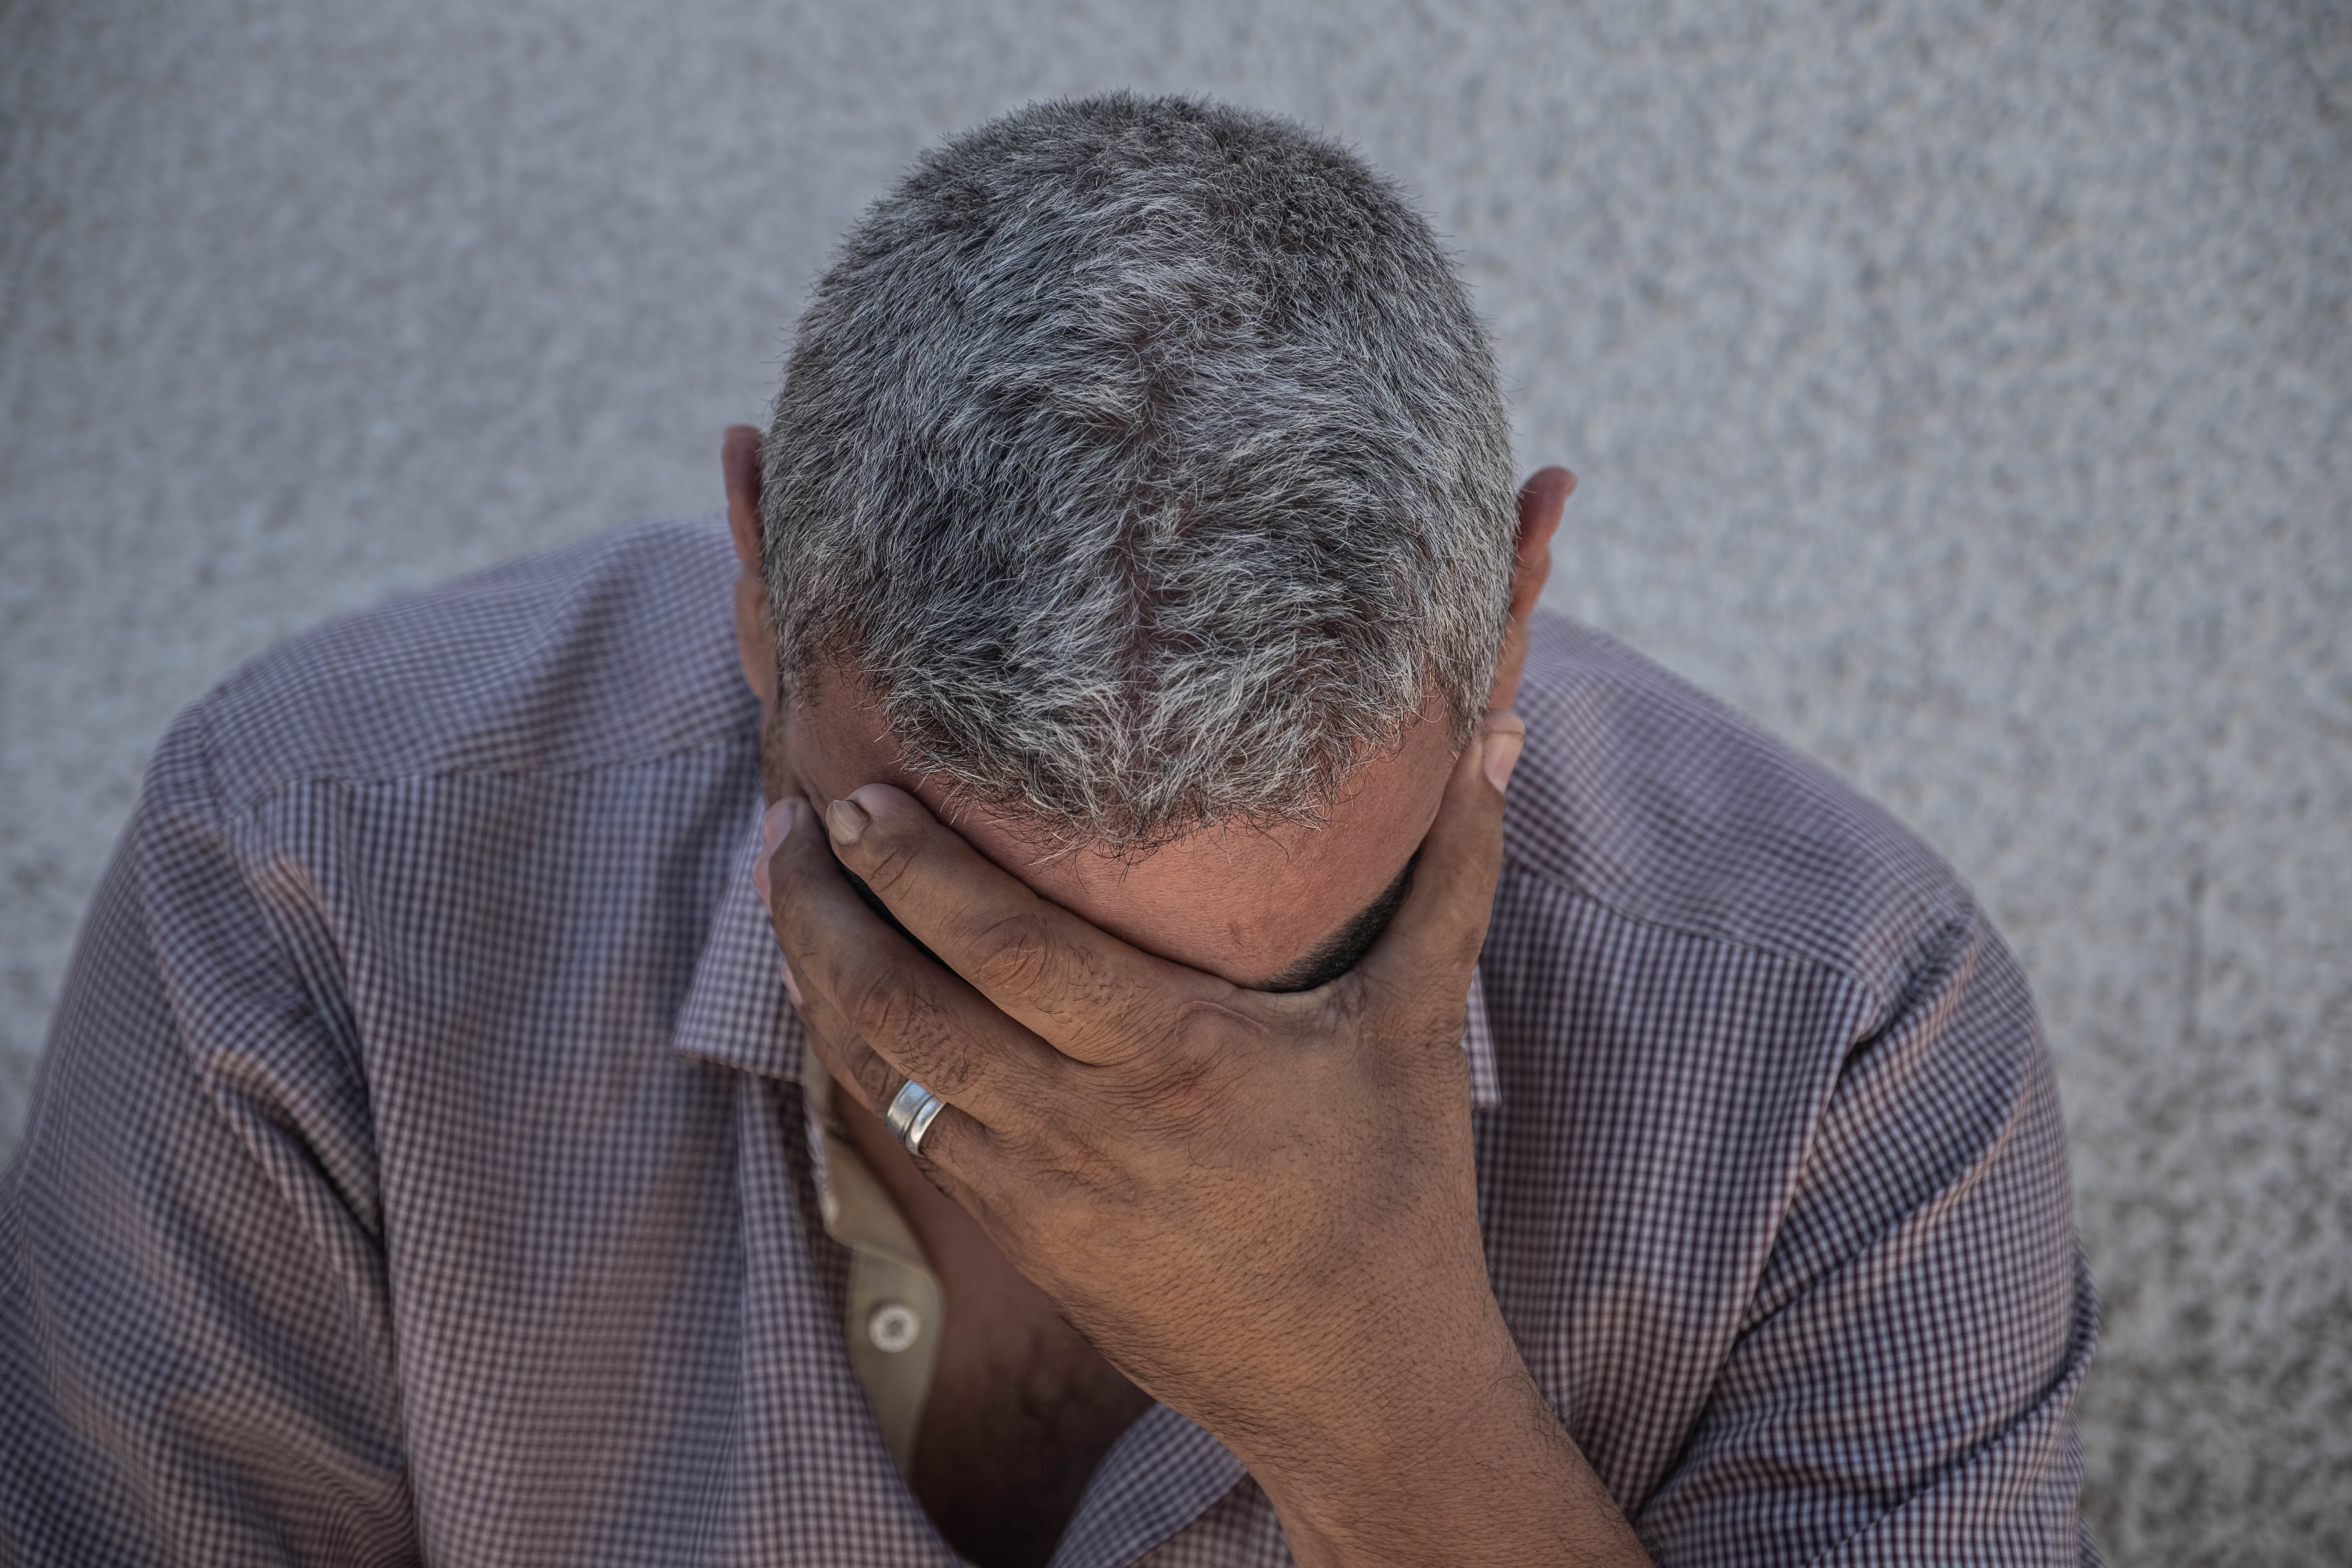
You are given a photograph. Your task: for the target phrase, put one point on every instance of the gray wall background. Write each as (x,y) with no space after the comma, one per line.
(1960,388)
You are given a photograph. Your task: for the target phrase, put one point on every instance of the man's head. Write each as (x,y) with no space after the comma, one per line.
(1139,494)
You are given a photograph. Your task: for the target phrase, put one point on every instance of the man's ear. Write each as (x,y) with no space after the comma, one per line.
(739,455)
(1540,501)
(755,625)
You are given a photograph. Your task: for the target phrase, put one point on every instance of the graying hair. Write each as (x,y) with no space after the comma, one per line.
(1145,457)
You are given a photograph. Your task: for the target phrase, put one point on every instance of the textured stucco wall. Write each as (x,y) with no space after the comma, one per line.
(1960,388)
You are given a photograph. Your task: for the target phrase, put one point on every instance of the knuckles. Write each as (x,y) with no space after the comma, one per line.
(873,1077)
(886,857)
(1206,1027)
(1182,1092)
(1184,1077)
(882,1006)
(893,1014)
(1013,955)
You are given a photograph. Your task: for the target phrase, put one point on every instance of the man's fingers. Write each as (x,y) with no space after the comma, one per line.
(857,1067)
(874,989)
(1432,943)
(958,1151)
(1079,988)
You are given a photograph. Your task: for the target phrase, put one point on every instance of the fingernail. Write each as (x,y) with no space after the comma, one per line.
(792,988)
(1502,754)
(759,880)
(846,820)
(776,824)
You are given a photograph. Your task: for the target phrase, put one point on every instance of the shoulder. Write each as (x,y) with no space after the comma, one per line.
(611,652)
(1660,803)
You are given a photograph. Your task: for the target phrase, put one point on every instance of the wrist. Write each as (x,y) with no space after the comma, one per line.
(1460,1462)
(1391,1427)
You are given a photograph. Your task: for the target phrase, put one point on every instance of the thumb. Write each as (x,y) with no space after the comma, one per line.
(1432,943)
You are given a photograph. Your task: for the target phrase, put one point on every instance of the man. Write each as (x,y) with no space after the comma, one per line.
(1193,1120)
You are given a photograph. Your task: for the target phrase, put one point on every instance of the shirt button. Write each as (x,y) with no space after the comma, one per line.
(893,1327)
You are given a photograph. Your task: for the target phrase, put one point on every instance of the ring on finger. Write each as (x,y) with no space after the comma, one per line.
(912,1111)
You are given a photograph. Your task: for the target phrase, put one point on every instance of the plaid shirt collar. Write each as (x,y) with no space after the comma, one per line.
(735,1013)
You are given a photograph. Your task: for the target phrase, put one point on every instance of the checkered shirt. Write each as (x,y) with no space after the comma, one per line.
(417,1172)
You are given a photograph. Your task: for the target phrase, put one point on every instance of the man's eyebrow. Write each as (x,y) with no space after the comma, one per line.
(1338,952)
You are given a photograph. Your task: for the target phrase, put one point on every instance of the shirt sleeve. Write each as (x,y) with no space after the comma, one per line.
(1902,1388)
(195,1339)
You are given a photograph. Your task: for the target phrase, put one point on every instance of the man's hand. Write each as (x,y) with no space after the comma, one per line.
(1261,1209)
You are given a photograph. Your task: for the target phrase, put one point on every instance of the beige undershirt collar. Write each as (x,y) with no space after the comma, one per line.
(896,1310)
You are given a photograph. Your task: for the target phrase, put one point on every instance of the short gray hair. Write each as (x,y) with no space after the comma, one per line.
(1146,459)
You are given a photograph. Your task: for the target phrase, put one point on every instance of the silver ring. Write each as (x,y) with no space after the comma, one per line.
(912,1111)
